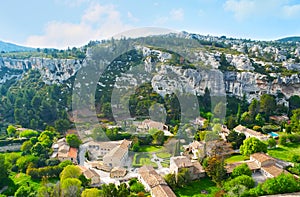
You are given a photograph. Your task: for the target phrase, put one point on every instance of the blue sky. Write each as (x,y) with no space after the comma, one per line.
(63,23)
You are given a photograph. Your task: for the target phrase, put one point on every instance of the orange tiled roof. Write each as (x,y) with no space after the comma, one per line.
(261,157)
(72,152)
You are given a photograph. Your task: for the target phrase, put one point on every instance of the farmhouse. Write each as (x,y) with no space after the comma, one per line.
(250,133)
(196,171)
(154,183)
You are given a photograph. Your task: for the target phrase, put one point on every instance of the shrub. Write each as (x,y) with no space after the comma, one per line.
(294,138)
(29,133)
(256,128)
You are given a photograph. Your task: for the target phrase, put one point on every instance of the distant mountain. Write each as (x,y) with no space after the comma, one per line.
(290,39)
(9,47)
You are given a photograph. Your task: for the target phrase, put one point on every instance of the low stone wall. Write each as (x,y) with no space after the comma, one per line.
(10,147)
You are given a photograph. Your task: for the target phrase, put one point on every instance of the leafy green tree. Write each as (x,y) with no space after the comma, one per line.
(253,108)
(183,177)
(295,120)
(294,102)
(282,140)
(259,120)
(70,171)
(284,183)
(241,170)
(158,137)
(171,180)
(23,162)
(39,150)
(237,191)
(271,142)
(25,191)
(62,125)
(240,180)
(267,104)
(231,122)
(137,187)
(216,170)
(246,119)
(71,187)
(109,190)
(93,192)
(236,139)
(11,130)
(73,140)
(26,146)
(123,190)
(252,145)
(3,171)
(29,133)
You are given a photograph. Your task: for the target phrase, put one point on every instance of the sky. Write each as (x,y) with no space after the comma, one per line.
(68,23)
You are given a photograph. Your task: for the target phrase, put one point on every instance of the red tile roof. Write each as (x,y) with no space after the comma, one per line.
(72,152)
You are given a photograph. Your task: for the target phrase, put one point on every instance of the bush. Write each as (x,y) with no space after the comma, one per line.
(245,180)
(29,133)
(282,140)
(295,138)
(270,128)
(257,128)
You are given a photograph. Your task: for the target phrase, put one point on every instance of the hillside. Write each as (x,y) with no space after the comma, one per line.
(9,47)
(163,65)
(290,39)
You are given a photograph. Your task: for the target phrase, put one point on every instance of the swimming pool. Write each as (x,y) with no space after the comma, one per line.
(273,134)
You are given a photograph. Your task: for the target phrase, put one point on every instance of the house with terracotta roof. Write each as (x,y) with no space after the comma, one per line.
(250,133)
(196,171)
(262,159)
(150,124)
(267,165)
(97,150)
(62,151)
(90,174)
(118,155)
(118,172)
(154,183)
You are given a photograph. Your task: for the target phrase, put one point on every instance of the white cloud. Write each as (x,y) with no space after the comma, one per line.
(247,9)
(241,9)
(177,14)
(97,22)
(291,10)
(174,15)
(132,18)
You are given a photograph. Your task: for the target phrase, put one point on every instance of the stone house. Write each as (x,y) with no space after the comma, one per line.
(154,183)
(90,174)
(250,133)
(118,156)
(196,171)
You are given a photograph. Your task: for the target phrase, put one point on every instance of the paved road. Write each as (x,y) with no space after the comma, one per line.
(81,157)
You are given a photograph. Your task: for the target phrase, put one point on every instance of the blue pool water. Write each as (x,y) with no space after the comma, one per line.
(273,134)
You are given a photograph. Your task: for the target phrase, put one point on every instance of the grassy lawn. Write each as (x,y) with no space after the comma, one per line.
(150,149)
(194,189)
(166,158)
(285,152)
(164,155)
(236,158)
(141,159)
(19,179)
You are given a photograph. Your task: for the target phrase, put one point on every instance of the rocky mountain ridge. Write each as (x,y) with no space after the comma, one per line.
(243,79)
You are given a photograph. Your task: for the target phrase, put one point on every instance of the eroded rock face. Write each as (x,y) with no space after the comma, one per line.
(166,78)
(52,70)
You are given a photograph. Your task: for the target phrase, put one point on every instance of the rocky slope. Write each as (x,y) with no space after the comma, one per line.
(166,77)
